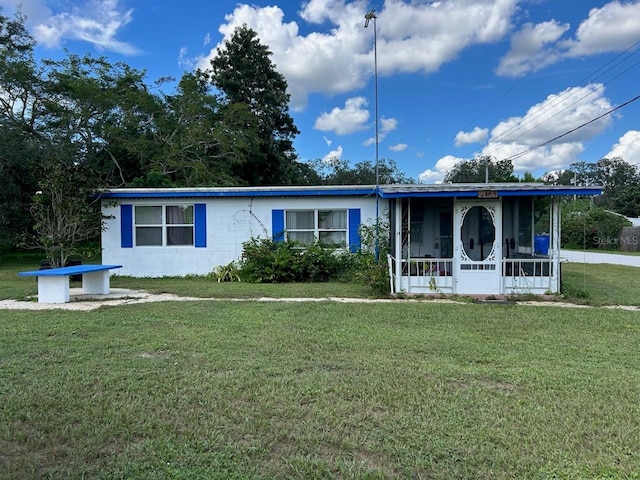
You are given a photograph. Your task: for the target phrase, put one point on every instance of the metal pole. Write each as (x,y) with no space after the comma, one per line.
(372,16)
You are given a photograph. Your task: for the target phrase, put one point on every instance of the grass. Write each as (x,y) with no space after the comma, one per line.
(598,284)
(289,390)
(19,288)
(320,390)
(601,284)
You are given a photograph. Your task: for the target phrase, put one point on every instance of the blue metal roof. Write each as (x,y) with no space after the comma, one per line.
(483,190)
(458,190)
(320,191)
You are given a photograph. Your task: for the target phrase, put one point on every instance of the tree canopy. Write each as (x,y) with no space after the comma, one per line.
(481,169)
(621,182)
(341,172)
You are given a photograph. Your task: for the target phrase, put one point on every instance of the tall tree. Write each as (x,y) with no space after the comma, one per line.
(478,169)
(105,110)
(621,183)
(202,143)
(244,74)
(20,104)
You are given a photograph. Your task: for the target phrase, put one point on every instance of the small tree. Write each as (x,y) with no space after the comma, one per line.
(66,213)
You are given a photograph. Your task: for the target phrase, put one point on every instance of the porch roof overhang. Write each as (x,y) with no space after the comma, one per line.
(483,190)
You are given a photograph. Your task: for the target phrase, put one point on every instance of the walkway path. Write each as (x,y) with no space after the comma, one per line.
(576,256)
(121,296)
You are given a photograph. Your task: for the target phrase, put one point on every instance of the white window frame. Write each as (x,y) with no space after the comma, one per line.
(164,225)
(316,225)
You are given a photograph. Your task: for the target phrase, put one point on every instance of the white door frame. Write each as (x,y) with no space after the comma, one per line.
(477,276)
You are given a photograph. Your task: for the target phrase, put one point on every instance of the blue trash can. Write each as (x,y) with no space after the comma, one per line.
(541,244)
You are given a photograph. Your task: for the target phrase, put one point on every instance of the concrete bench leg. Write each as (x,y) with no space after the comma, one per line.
(53,289)
(96,282)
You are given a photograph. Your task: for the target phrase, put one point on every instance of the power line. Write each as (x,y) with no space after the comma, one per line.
(562,97)
(540,145)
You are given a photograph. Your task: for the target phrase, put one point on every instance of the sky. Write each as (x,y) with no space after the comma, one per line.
(544,83)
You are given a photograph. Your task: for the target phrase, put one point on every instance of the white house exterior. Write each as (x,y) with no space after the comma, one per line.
(451,238)
(139,228)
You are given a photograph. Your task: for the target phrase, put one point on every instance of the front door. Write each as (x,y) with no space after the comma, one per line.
(477,234)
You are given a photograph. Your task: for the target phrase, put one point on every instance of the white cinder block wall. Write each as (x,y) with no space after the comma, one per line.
(230,221)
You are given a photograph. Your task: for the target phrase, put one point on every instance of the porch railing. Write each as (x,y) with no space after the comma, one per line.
(531,275)
(427,267)
(529,267)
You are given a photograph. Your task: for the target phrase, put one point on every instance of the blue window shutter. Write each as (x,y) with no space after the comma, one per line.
(354,229)
(200,224)
(126,226)
(277,225)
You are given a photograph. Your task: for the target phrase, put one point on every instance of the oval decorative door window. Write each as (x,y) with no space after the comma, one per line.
(477,233)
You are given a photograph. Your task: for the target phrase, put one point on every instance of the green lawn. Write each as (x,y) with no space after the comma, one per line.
(321,390)
(288,390)
(601,284)
(590,284)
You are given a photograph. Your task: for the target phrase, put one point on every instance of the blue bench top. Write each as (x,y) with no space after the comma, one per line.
(64,271)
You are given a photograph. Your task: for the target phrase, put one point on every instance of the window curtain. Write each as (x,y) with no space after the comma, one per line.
(182,216)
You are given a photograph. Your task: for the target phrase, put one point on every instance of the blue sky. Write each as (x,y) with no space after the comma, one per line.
(456,79)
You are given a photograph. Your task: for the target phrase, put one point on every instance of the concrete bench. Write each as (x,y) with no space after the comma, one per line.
(53,284)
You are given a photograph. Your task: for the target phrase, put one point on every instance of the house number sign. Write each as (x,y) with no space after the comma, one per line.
(487,194)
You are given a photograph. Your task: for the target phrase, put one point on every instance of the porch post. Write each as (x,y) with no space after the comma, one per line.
(555,244)
(398,243)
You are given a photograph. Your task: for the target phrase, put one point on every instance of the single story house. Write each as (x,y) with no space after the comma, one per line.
(447,238)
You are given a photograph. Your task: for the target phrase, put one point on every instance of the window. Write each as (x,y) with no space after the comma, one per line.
(166,225)
(327,227)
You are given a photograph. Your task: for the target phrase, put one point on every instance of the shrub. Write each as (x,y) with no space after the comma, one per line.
(588,226)
(369,265)
(266,261)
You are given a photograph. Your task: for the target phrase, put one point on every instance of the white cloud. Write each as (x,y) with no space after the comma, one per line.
(342,121)
(419,39)
(333,156)
(97,22)
(544,121)
(386,126)
(399,147)
(207,40)
(528,52)
(327,141)
(442,166)
(627,148)
(556,115)
(183,58)
(477,135)
(614,27)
